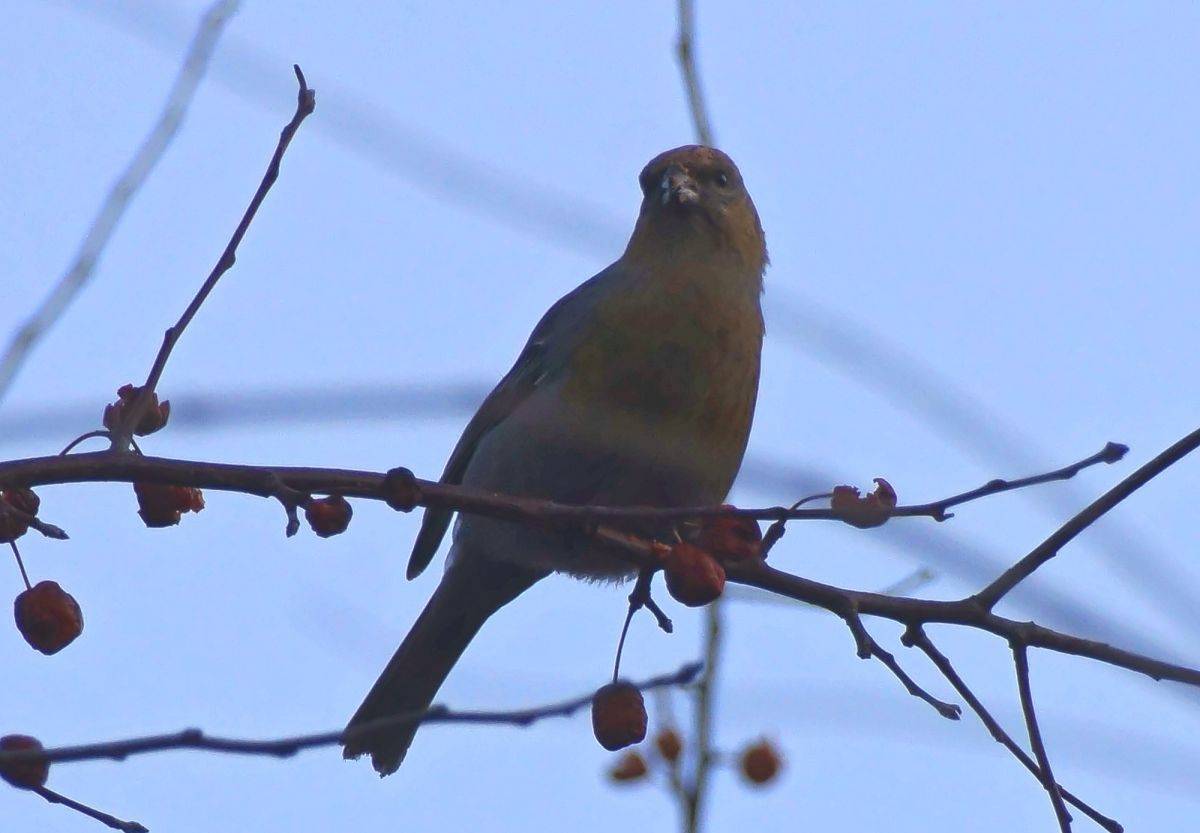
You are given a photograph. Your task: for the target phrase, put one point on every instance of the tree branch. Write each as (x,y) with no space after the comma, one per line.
(91,812)
(1049,548)
(287,747)
(1021,660)
(264,481)
(306,101)
(916,636)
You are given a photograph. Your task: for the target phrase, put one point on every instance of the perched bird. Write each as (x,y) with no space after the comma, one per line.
(637,388)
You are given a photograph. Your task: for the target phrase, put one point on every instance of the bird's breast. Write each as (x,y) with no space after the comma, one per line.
(671,367)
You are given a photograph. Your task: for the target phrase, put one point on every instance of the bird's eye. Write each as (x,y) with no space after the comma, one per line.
(722,179)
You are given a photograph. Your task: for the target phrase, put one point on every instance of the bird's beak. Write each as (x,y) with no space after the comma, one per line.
(678,187)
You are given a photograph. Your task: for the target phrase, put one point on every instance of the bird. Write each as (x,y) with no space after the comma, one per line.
(637,388)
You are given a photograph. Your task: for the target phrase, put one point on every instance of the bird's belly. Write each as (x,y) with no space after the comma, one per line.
(668,429)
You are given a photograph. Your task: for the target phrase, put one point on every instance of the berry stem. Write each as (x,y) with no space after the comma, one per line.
(20,564)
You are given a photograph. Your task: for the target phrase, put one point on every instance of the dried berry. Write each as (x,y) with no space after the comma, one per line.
(618,716)
(12,527)
(694,577)
(669,744)
(153,418)
(48,617)
(26,774)
(631,767)
(24,499)
(760,763)
(864,512)
(163,505)
(329,516)
(731,538)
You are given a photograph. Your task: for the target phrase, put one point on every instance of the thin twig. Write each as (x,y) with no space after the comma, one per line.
(1049,548)
(90,435)
(287,747)
(1021,661)
(916,636)
(306,101)
(100,816)
(1111,453)
(867,647)
(195,63)
(696,792)
(776,530)
(685,51)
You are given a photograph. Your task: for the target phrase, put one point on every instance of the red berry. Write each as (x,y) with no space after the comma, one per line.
(329,516)
(162,504)
(24,499)
(618,716)
(48,617)
(631,767)
(669,744)
(760,763)
(694,577)
(12,527)
(26,774)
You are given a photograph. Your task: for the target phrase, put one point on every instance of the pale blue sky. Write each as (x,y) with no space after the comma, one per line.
(1004,192)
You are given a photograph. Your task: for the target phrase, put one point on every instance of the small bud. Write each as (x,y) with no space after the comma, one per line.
(618,716)
(329,516)
(153,418)
(48,617)
(400,490)
(26,774)
(730,538)
(694,577)
(864,512)
(162,504)
(760,763)
(669,744)
(630,768)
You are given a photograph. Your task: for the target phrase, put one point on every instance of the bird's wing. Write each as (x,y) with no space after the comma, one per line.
(547,350)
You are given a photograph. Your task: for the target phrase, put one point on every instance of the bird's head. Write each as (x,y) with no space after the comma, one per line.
(695,206)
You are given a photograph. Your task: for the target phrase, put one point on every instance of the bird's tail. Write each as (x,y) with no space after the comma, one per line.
(471,590)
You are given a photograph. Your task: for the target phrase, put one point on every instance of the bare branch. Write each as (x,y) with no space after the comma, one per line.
(916,636)
(966,612)
(305,103)
(696,791)
(287,747)
(264,480)
(1049,548)
(195,63)
(868,647)
(1021,660)
(91,812)
(685,51)
(1111,453)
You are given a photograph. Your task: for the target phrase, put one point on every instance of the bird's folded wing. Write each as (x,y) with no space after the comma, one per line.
(547,351)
